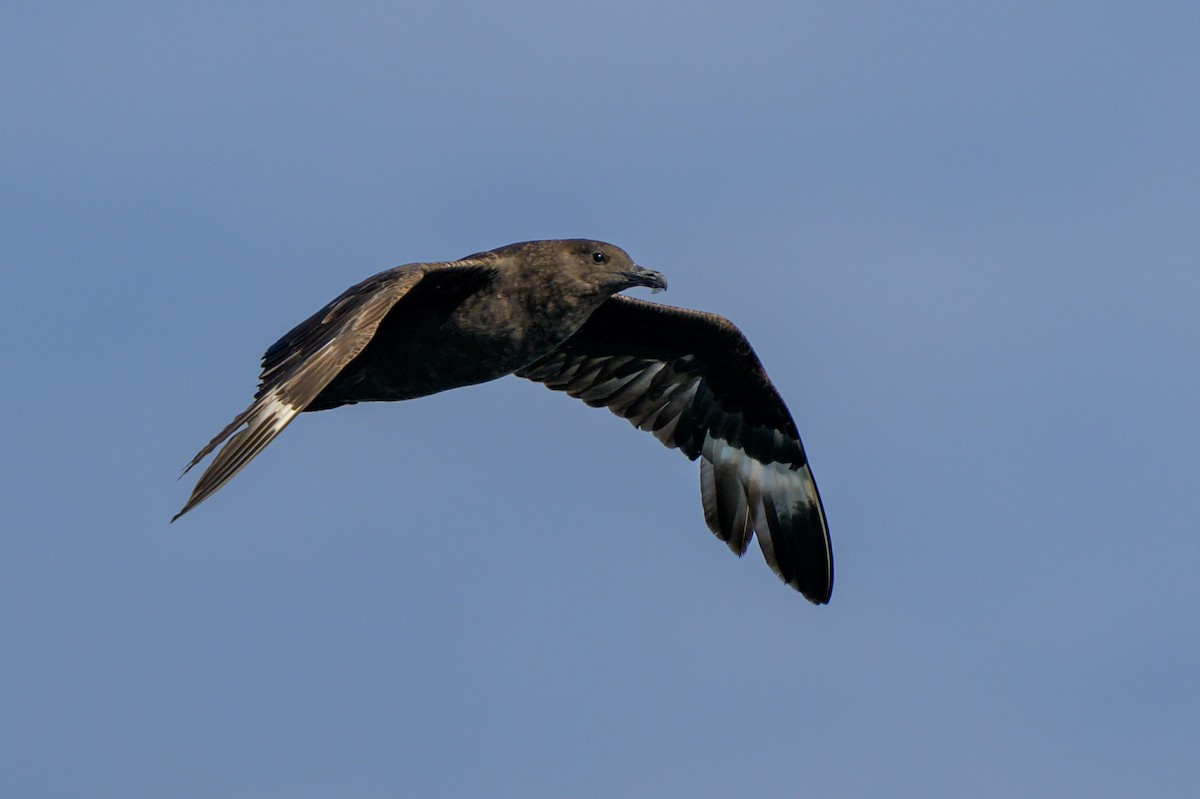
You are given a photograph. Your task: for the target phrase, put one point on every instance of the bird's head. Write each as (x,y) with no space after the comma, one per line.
(582,267)
(607,266)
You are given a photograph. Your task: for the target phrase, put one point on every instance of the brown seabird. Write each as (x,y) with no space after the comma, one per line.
(549,311)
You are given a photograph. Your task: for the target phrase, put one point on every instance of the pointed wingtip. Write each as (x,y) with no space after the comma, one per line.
(818,598)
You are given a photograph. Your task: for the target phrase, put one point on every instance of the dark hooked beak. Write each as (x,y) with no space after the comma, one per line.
(640,276)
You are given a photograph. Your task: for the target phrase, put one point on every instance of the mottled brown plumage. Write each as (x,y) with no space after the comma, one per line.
(549,311)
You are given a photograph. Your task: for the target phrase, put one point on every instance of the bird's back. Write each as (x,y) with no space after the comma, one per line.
(450,332)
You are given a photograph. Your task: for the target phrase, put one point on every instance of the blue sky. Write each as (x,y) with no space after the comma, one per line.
(962,238)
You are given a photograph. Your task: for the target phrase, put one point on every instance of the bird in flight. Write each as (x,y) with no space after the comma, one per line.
(551,312)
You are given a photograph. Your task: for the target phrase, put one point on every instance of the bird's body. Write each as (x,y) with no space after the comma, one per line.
(465,326)
(549,311)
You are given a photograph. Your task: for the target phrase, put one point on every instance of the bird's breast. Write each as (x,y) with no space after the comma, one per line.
(511,331)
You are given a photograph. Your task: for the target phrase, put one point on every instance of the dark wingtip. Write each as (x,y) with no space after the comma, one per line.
(816,579)
(817,596)
(816,588)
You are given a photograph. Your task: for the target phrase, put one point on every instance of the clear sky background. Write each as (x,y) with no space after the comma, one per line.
(962,237)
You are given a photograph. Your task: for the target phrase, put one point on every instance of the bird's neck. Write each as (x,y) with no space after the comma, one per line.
(537,309)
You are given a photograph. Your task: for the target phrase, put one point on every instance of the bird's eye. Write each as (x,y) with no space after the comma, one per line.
(599,257)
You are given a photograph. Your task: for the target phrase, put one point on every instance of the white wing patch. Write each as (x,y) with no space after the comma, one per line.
(744,497)
(263,420)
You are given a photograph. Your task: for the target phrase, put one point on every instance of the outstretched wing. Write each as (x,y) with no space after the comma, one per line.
(693,381)
(297,367)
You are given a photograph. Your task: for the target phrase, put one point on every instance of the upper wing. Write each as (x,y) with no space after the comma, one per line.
(297,367)
(693,380)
